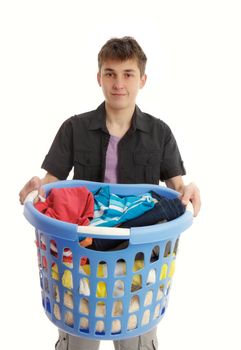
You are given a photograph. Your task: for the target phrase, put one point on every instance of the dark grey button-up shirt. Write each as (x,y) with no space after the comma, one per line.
(147,153)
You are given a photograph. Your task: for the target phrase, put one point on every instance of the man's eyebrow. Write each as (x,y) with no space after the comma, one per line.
(129,70)
(125,70)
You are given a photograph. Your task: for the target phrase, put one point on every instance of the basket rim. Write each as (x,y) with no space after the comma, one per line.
(136,235)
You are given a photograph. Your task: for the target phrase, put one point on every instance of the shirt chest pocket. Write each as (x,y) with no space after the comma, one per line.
(87,166)
(147,166)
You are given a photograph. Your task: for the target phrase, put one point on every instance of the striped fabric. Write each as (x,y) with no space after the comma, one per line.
(112,210)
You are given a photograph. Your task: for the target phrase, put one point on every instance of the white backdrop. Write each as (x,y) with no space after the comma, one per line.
(48,73)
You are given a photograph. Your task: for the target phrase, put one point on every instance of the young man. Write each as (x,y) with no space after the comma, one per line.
(117,142)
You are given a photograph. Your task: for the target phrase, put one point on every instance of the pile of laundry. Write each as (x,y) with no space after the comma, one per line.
(80,206)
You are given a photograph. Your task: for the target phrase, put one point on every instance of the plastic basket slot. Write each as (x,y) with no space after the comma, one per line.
(119,288)
(69,319)
(117,308)
(68,299)
(132,322)
(134,304)
(56,295)
(100,310)
(145,318)
(148,298)
(116,327)
(84,306)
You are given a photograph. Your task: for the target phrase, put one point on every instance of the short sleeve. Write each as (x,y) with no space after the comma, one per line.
(172,163)
(59,160)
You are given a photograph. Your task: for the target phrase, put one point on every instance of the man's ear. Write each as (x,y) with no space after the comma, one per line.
(143,81)
(98,78)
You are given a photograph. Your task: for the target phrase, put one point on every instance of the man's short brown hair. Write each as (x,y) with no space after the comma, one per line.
(122,49)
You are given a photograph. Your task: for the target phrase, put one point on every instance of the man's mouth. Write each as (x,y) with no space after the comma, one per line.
(117,94)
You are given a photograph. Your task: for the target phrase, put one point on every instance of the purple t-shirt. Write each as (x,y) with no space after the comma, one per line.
(111,161)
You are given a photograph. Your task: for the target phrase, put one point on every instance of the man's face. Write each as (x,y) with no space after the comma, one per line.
(120,82)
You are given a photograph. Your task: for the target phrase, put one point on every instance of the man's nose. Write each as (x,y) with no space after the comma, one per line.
(118,83)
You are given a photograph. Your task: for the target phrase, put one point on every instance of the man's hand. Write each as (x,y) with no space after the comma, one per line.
(36,184)
(191,194)
(33,184)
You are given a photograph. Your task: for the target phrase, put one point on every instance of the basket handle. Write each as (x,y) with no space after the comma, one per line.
(104,232)
(31,196)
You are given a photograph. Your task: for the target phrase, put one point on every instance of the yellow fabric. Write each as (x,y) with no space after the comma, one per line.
(138,265)
(164,270)
(86,269)
(55,272)
(67,279)
(101,270)
(136,280)
(172,269)
(163,273)
(101,291)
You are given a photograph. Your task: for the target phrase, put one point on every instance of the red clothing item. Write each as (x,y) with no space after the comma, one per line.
(74,205)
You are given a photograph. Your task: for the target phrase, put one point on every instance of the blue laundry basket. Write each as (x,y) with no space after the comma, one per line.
(105,295)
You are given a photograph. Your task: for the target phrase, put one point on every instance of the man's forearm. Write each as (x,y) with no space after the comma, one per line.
(48,178)
(176,183)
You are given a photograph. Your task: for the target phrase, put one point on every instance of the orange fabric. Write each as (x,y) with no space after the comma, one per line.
(86,242)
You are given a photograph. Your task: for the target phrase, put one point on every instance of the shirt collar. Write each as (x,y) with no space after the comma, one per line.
(98,121)
(139,121)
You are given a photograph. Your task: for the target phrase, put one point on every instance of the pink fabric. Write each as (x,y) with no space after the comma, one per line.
(111,162)
(74,205)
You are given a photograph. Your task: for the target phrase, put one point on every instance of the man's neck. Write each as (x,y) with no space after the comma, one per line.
(118,121)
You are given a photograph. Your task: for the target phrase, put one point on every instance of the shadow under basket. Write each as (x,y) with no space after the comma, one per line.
(111,294)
